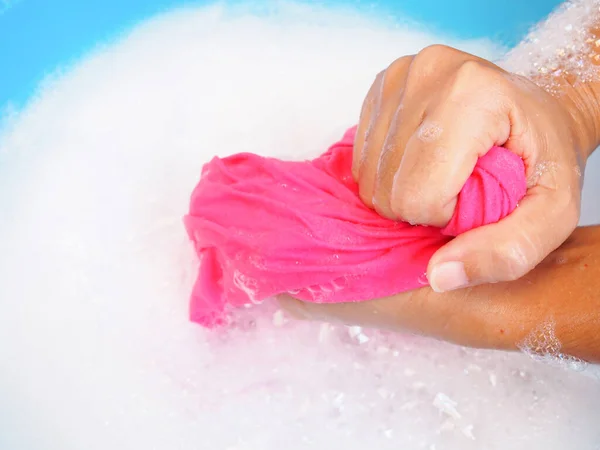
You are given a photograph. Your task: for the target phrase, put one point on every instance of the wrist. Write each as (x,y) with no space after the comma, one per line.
(582,104)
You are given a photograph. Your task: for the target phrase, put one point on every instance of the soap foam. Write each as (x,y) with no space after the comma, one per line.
(565,43)
(96,350)
(543,345)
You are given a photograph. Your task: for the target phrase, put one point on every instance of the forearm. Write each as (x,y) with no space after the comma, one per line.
(562,55)
(554,311)
(561,296)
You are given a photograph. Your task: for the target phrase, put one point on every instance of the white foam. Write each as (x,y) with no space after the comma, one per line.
(95,270)
(564,43)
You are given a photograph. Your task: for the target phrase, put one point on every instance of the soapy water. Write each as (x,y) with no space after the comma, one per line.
(247,285)
(566,43)
(543,345)
(95,269)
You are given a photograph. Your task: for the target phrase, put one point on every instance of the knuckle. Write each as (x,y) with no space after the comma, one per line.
(399,65)
(470,68)
(471,76)
(409,206)
(436,51)
(406,209)
(395,75)
(428,59)
(427,62)
(419,205)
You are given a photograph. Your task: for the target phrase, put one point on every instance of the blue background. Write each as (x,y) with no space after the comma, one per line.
(38,35)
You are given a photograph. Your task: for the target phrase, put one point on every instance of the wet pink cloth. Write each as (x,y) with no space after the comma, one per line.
(264,227)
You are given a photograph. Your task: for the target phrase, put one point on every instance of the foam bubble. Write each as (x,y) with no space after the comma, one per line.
(96,350)
(429,131)
(564,44)
(542,344)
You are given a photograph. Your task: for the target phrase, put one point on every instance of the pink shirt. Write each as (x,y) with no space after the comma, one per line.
(263,227)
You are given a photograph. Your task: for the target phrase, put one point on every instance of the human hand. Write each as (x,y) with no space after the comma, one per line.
(424,123)
(553,309)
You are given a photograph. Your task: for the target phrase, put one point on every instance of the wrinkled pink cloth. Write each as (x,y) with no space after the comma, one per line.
(264,227)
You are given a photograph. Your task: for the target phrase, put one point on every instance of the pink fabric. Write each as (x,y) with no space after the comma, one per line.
(263,227)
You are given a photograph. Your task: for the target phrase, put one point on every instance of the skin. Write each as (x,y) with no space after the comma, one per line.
(564,290)
(424,122)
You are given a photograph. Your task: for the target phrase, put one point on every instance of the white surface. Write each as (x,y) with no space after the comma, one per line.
(95,348)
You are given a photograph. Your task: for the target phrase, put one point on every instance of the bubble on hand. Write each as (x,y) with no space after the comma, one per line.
(429,131)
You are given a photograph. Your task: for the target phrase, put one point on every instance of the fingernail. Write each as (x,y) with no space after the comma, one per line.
(448,276)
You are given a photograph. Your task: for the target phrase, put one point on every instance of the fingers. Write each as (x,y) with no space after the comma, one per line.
(511,248)
(387,99)
(368,109)
(406,119)
(441,154)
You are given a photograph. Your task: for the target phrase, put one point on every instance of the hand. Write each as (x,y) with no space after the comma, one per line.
(560,297)
(426,120)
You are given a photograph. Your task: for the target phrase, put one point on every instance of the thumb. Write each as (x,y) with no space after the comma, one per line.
(509,249)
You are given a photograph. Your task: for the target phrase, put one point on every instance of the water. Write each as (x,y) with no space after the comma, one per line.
(95,270)
(565,43)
